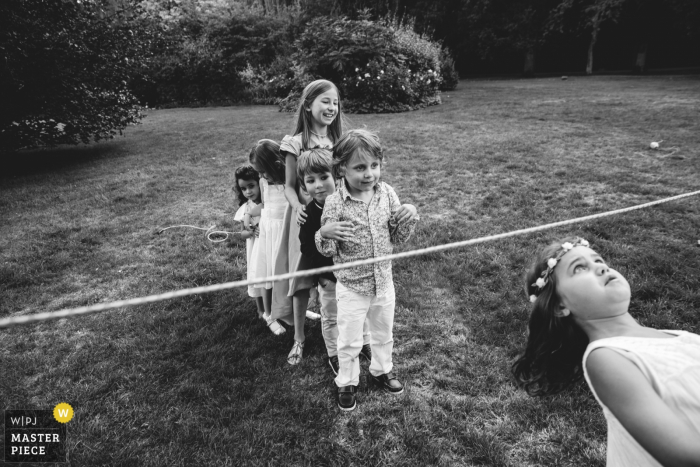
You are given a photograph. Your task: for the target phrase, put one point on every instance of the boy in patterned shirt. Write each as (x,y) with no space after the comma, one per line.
(361,220)
(315,175)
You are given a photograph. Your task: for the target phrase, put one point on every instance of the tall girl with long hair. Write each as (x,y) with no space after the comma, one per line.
(647,381)
(319,124)
(265,157)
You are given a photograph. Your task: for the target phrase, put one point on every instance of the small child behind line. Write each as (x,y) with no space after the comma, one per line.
(315,174)
(266,159)
(247,187)
(364,219)
(647,381)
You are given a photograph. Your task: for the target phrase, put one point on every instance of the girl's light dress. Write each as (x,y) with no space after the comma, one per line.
(290,259)
(249,245)
(672,367)
(271,226)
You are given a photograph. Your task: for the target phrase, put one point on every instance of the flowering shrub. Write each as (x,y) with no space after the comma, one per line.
(377,67)
(391,88)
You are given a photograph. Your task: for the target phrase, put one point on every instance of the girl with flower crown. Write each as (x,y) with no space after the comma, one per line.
(647,381)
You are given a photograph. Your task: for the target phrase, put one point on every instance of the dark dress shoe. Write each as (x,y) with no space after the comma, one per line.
(346,398)
(388,382)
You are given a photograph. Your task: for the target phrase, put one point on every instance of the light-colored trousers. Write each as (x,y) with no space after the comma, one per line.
(353,309)
(329,317)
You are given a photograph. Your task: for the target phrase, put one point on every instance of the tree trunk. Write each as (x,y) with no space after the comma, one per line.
(594,37)
(529,69)
(640,66)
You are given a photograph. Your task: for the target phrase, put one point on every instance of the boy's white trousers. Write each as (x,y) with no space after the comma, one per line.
(329,317)
(353,310)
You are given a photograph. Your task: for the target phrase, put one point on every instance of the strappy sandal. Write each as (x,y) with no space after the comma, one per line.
(295,355)
(274,326)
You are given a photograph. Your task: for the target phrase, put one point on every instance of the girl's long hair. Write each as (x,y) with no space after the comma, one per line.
(266,155)
(303,116)
(555,345)
(244,172)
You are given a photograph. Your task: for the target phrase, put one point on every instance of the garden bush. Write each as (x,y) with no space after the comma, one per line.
(221,56)
(65,69)
(378,66)
(448,70)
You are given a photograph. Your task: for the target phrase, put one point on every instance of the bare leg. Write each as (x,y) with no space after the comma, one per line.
(261,306)
(299,302)
(267,301)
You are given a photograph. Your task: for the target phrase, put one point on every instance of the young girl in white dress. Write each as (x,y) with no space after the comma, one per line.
(247,187)
(266,159)
(647,381)
(319,123)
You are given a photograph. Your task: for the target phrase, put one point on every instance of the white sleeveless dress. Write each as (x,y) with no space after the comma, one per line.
(271,226)
(672,366)
(249,245)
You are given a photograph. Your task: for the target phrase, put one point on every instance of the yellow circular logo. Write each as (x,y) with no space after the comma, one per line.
(63,413)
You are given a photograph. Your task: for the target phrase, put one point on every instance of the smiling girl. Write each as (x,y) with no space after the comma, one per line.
(319,124)
(647,381)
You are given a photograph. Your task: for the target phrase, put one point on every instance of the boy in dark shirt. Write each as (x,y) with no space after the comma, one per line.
(315,174)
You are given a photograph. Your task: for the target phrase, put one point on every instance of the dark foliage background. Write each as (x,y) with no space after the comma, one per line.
(74,71)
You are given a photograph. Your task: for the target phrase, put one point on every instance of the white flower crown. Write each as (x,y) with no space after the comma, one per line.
(552,263)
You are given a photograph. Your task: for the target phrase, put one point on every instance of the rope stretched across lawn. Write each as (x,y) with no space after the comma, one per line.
(85,310)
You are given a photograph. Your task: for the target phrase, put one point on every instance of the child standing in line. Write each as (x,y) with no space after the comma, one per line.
(247,187)
(319,123)
(368,220)
(266,159)
(315,174)
(647,381)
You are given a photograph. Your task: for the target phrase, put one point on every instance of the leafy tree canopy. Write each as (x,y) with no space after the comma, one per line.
(65,69)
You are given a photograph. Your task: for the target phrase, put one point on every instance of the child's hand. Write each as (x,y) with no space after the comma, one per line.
(301,214)
(256,231)
(405,213)
(246,234)
(340,231)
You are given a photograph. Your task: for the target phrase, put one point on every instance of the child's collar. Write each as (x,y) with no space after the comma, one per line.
(345,193)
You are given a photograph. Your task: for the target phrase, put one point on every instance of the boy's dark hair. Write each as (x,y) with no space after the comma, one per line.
(244,172)
(316,161)
(555,345)
(266,158)
(351,142)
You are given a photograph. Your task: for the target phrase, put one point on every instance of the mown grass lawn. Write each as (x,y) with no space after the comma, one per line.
(201,381)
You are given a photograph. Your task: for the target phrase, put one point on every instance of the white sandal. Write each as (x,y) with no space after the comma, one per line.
(312,315)
(274,326)
(295,355)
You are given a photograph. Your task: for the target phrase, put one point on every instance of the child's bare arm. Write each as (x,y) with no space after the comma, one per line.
(624,389)
(255,211)
(246,221)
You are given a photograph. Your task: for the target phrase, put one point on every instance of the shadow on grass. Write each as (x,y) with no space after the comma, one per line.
(42,161)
